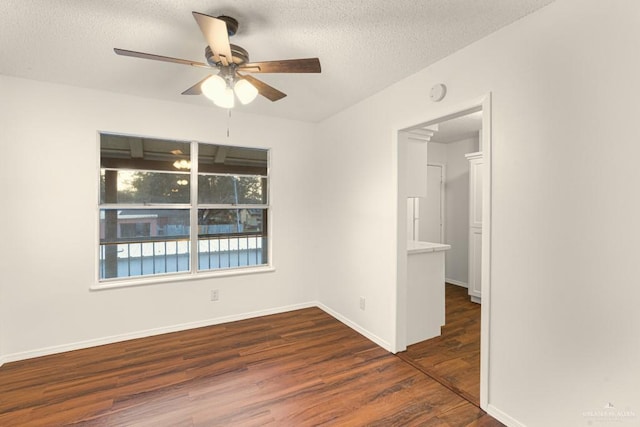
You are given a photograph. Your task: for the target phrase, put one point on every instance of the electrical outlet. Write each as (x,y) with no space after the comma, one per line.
(215,295)
(362,303)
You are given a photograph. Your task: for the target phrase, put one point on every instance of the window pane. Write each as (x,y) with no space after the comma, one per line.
(143,170)
(135,242)
(226,189)
(225,159)
(138,187)
(229,238)
(135,153)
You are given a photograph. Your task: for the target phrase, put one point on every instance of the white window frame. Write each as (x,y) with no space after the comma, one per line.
(193,207)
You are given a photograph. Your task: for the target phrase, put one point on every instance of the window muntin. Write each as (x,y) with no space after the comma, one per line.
(150,195)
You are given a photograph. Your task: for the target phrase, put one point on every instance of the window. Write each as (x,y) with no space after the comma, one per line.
(152,192)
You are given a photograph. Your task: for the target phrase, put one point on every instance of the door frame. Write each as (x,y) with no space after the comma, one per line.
(400,131)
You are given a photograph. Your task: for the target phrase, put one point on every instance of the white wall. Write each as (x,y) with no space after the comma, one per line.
(359,199)
(49,174)
(457,209)
(416,161)
(437,153)
(564,321)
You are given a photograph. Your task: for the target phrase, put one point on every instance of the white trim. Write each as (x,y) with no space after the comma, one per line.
(194,254)
(96,219)
(178,277)
(503,418)
(400,216)
(372,337)
(485,310)
(457,282)
(151,332)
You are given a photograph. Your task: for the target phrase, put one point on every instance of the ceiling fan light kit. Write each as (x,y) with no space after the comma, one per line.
(226,60)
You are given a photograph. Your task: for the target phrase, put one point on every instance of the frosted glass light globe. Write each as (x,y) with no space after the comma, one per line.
(245,91)
(214,87)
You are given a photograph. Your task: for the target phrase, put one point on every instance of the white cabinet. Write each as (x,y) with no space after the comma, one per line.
(475,226)
(425,290)
(475,262)
(475,190)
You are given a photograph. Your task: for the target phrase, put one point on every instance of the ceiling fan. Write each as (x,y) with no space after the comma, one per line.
(230,62)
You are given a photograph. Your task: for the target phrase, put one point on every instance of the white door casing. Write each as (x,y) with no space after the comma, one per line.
(475,225)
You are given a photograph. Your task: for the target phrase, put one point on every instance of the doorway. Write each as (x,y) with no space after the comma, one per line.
(418,130)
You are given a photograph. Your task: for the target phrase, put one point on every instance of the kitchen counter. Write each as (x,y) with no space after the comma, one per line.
(416,247)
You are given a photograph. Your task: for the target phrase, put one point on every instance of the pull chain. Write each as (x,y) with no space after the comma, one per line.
(228,123)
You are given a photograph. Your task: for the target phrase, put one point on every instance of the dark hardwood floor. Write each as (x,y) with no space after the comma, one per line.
(301,368)
(453,358)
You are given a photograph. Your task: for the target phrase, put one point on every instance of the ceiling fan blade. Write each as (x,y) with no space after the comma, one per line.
(217,36)
(264,89)
(306,65)
(196,89)
(142,55)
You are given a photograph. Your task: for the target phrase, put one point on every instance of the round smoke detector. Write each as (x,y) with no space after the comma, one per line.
(438,92)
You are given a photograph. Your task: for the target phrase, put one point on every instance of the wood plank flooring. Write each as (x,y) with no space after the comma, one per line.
(453,358)
(301,368)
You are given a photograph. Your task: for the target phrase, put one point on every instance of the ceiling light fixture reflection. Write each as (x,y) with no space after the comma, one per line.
(182,164)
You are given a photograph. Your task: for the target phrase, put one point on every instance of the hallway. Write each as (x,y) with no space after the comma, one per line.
(453,358)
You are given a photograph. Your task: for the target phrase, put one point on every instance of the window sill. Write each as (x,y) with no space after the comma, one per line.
(178,277)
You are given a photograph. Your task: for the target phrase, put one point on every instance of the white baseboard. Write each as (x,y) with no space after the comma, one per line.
(186,326)
(149,332)
(376,339)
(502,417)
(457,283)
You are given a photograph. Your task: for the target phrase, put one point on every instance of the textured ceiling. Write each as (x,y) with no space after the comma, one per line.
(363,46)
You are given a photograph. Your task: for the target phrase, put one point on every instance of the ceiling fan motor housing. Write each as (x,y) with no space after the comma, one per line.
(240,55)
(232,24)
